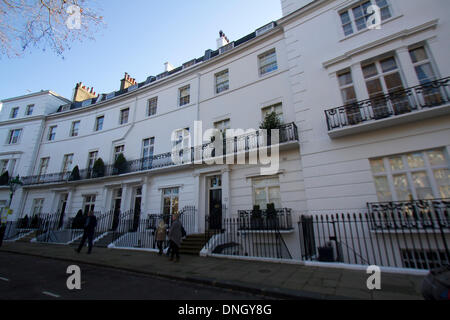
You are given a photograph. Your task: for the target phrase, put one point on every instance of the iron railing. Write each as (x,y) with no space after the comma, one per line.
(413,214)
(280,219)
(427,95)
(352,239)
(247,142)
(232,240)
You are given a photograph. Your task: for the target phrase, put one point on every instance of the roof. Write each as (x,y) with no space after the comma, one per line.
(34,94)
(209,54)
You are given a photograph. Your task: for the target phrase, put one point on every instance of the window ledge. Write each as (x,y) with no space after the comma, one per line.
(355,34)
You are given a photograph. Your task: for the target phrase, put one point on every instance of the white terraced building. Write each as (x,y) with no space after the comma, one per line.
(366,127)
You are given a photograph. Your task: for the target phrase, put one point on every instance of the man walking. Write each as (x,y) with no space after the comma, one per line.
(89,230)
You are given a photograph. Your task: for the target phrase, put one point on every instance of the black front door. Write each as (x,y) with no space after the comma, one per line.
(215,209)
(116,215)
(137,213)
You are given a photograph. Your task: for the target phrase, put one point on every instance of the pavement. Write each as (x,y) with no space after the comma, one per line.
(277,280)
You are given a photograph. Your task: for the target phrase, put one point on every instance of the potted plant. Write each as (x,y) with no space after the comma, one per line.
(4,179)
(271,215)
(98,169)
(75,175)
(326,253)
(120,165)
(271,122)
(256,217)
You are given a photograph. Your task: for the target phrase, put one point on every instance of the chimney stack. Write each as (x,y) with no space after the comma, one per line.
(168,67)
(223,40)
(127,82)
(82,93)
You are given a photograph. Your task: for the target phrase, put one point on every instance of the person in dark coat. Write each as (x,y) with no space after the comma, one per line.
(89,230)
(175,236)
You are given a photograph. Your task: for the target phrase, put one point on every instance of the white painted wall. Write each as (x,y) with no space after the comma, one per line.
(337,172)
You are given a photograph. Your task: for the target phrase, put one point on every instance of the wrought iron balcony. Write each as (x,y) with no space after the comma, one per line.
(411,100)
(255,220)
(415,214)
(243,143)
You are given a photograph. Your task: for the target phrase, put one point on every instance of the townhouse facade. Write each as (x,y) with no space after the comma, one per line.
(365,126)
(22,122)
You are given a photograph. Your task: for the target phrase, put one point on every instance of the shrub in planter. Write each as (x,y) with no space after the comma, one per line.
(98,169)
(4,179)
(256,217)
(34,222)
(75,175)
(77,222)
(271,121)
(23,224)
(271,213)
(120,165)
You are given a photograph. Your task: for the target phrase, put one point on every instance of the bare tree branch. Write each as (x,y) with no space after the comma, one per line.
(45,24)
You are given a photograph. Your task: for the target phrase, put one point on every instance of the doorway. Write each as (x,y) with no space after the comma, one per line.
(137,208)
(62,209)
(117,202)
(215,202)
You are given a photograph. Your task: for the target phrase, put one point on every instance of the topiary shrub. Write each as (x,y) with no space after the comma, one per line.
(271,121)
(120,165)
(75,175)
(98,169)
(4,179)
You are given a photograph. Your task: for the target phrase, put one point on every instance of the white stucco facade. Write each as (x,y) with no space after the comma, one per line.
(328,169)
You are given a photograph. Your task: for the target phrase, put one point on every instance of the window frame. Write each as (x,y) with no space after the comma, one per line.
(51,136)
(10,140)
(225,83)
(350,11)
(428,168)
(67,162)
(261,66)
(91,159)
(29,107)
(14,113)
(272,108)
(121,116)
(266,187)
(184,100)
(37,203)
(151,107)
(96,128)
(46,161)
(75,128)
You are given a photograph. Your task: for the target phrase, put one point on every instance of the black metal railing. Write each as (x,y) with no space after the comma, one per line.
(232,240)
(413,214)
(352,239)
(247,142)
(427,95)
(280,219)
(133,232)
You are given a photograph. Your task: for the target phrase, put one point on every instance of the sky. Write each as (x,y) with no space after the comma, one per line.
(138,38)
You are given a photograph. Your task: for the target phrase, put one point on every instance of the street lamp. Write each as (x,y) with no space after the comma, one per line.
(13,185)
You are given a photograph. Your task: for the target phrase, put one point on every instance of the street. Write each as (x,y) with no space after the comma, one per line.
(32,278)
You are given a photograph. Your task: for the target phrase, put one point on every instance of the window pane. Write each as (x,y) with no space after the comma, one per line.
(393,82)
(442,177)
(348,95)
(383,190)
(377,166)
(402,188)
(396,163)
(436,157)
(345,17)
(370,70)
(422,185)
(274,196)
(374,87)
(425,73)
(415,160)
(345,79)
(418,54)
(388,64)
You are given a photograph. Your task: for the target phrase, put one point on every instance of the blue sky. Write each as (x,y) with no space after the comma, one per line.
(139,36)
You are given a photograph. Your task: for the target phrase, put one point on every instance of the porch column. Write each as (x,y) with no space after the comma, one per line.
(125,199)
(407,68)
(69,213)
(358,82)
(144,205)
(226,193)
(199,227)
